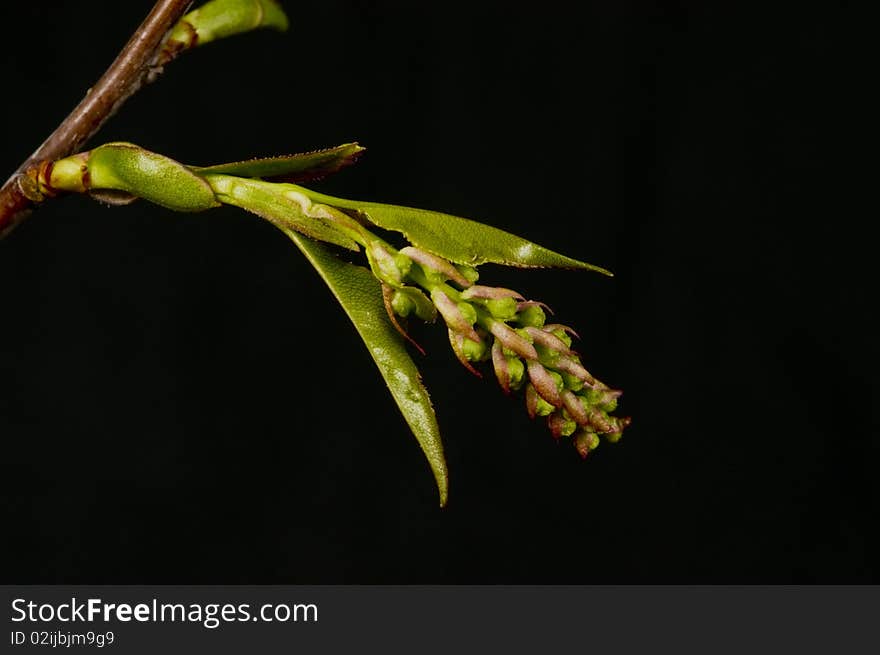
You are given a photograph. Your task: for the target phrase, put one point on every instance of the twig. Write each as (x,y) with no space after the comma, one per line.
(135,65)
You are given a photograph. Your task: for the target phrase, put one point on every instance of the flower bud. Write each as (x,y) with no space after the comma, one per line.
(535,405)
(562,331)
(512,340)
(573,367)
(468,272)
(545,384)
(467,310)
(571,382)
(474,351)
(605,398)
(516,370)
(500,364)
(575,407)
(614,437)
(531,315)
(585,441)
(401,304)
(560,424)
(548,340)
(436,268)
(424,308)
(601,422)
(452,314)
(501,308)
(458,347)
(385,265)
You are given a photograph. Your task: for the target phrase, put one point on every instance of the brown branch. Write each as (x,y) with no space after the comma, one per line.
(135,65)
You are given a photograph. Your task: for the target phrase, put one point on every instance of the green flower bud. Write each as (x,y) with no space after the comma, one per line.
(532,316)
(425,309)
(403,263)
(516,371)
(473,351)
(547,356)
(469,273)
(544,408)
(385,265)
(585,442)
(402,304)
(604,398)
(501,308)
(535,405)
(614,437)
(562,335)
(557,378)
(572,382)
(560,424)
(469,313)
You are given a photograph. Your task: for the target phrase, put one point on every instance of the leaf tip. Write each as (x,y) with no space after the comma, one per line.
(443,489)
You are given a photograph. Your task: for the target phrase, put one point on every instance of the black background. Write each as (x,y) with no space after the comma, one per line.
(181,400)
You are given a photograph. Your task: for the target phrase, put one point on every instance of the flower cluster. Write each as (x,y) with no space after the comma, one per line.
(492,323)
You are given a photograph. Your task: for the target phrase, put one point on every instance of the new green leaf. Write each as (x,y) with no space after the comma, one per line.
(301,167)
(457,239)
(361,297)
(286,207)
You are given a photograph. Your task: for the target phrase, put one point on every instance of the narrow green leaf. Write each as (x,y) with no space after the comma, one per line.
(285,206)
(361,297)
(301,167)
(459,240)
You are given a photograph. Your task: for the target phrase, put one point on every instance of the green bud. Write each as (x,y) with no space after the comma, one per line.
(516,371)
(221,18)
(561,425)
(473,351)
(585,442)
(425,309)
(467,310)
(543,408)
(562,335)
(532,316)
(603,398)
(557,378)
(571,382)
(613,437)
(469,273)
(384,264)
(433,277)
(547,356)
(404,264)
(148,175)
(402,304)
(501,308)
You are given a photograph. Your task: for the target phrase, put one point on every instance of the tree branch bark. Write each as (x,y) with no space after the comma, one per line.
(136,64)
